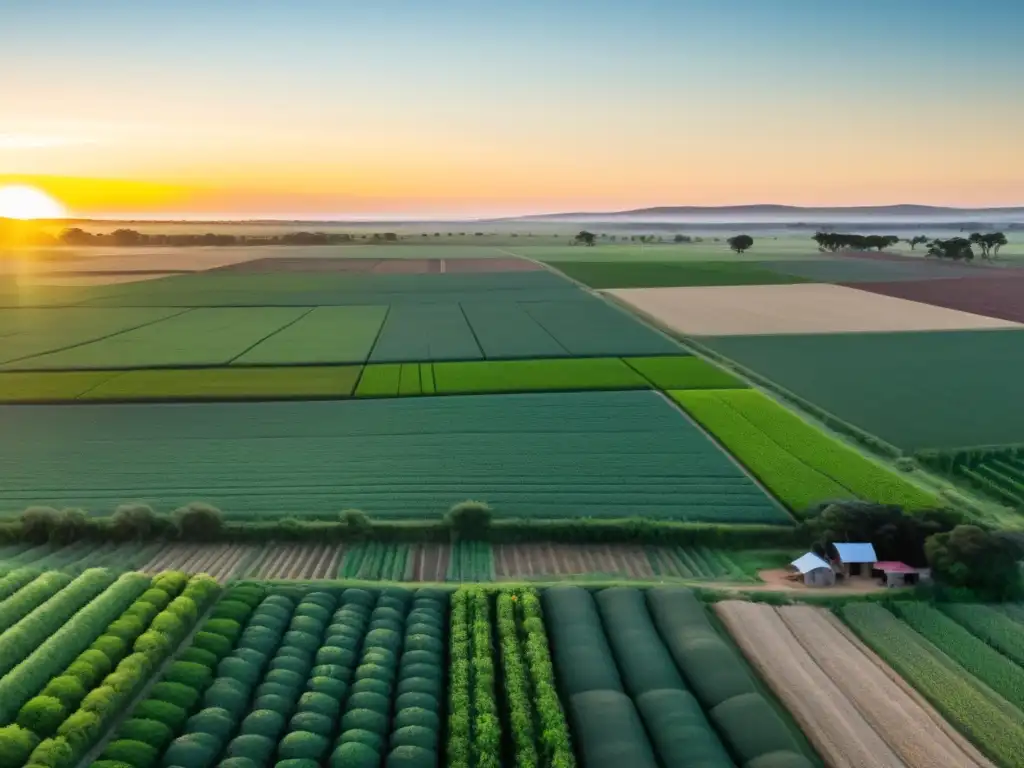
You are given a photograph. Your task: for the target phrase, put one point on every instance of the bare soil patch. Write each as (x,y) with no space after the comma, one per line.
(998,295)
(800,308)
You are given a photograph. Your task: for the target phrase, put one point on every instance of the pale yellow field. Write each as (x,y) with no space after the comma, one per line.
(801,308)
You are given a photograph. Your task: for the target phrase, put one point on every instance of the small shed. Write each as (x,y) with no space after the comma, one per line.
(852,556)
(815,570)
(897,574)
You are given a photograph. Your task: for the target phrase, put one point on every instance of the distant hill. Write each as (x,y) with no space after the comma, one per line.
(786,213)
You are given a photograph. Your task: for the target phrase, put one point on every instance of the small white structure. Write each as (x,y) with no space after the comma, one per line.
(853,556)
(815,570)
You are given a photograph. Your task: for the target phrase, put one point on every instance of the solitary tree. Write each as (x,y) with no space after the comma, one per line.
(587,238)
(989,243)
(740,243)
(916,241)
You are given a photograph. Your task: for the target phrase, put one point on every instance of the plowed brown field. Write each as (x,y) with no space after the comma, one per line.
(218,560)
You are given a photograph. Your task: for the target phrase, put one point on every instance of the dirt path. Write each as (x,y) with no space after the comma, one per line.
(837,729)
(899,719)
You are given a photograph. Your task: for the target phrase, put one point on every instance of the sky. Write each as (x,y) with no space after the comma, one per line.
(459,108)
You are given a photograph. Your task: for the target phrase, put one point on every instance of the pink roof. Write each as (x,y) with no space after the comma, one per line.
(894,566)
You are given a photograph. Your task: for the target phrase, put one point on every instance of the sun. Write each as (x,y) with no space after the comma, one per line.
(18,201)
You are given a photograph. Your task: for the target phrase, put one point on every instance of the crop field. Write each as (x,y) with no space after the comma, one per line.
(378,265)
(648,681)
(74,663)
(653,274)
(993,296)
(875,381)
(323,335)
(995,725)
(856,270)
(800,464)
(212,336)
(784,309)
(618,454)
(850,708)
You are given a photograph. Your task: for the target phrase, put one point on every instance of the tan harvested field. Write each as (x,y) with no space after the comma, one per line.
(218,560)
(145,259)
(297,561)
(800,308)
(854,713)
(516,561)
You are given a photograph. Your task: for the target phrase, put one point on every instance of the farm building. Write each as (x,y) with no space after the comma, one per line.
(853,556)
(897,574)
(816,570)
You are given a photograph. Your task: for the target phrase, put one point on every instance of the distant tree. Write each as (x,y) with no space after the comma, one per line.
(585,237)
(955,248)
(437,234)
(989,243)
(390,237)
(612,238)
(198,520)
(469,520)
(682,239)
(916,241)
(76,236)
(740,243)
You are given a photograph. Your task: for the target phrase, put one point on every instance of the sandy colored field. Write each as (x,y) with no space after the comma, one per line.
(801,308)
(833,724)
(852,710)
(147,259)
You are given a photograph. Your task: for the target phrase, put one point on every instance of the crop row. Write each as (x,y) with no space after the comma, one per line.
(981,660)
(642,698)
(82,688)
(168,718)
(993,626)
(471,561)
(376,561)
(799,463)
(998,730)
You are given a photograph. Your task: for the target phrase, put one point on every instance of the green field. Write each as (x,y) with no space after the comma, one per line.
(652,274)
(888,383)
(325,335)
(225,383)
(538,375)
(210,336)
(616,454)
(683,373)
(798,462)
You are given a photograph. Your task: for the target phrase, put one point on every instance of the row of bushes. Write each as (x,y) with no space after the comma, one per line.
(30,597)
(152,627)
(401,669)
(15,580)
(516,682)
(460,717)
(29,633)
(555,747)
(475,521)
(154,722)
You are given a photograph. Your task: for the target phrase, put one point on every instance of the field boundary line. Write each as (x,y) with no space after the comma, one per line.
(184,311)
(373,346)
(114,375)
(472,331)
(273,333)
(742,467)
(91,756)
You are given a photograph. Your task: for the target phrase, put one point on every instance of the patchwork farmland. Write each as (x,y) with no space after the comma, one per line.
(446,506)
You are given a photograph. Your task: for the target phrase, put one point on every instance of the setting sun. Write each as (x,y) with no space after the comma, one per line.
(23,202)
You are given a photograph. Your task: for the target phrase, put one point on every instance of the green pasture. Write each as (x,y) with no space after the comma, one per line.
(798,462)
(683,373)
(936,389)
(425,332)
(652,274)
(764,247)
(324,335)
(205,336)
(220,383)
(539,375)
(598,454)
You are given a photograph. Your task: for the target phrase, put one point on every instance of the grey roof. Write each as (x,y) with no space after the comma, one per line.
(856,552)
(809,562)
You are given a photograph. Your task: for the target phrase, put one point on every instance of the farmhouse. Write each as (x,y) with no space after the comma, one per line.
(851,558)
(816,570)
(897,574)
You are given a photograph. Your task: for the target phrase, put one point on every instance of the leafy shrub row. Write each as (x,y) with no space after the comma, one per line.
(48,664)
(15,580)
(415,732)
(555,747)
(31,596)
(372,668)
(516,682)
(141,738)
(80,730)
(460,717)
(20,640)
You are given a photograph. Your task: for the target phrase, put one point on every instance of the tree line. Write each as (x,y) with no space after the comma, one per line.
(955,248)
